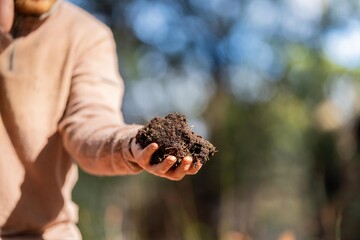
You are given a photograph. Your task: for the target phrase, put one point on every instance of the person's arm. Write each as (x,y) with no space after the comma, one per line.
(93,129)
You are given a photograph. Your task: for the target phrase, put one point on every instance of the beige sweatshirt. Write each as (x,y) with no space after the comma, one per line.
(60,99)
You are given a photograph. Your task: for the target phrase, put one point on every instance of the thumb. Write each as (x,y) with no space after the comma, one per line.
(146,154)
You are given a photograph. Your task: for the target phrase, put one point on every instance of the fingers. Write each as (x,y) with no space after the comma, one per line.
(145,155)
(194,169)
(164,169)
(185,168)
(165,166)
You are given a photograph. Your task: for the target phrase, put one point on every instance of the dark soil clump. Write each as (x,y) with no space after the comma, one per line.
(174,137)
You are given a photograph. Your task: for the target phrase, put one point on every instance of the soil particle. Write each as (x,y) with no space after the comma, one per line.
(174,137)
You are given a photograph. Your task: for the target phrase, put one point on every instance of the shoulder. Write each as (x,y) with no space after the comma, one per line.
(79,22)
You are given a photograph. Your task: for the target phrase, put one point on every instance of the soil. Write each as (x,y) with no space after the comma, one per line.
(174,137)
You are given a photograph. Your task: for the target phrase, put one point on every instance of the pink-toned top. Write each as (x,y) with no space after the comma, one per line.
(60,99)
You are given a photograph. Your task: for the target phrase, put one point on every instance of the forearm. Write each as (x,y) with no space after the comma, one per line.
(100,145)
(93,130)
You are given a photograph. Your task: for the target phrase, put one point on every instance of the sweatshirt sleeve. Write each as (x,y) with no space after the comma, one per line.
(93,129)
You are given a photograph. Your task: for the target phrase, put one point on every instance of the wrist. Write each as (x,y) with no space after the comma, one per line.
(132,159)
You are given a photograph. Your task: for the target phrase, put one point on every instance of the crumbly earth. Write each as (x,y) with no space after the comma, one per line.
(174,137)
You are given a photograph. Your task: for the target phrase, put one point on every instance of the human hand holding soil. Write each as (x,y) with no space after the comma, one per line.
(167,147)
(165,168)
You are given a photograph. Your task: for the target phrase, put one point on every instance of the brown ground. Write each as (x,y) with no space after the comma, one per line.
(174,137)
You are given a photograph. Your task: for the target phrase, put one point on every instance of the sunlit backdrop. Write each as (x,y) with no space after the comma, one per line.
(274,84)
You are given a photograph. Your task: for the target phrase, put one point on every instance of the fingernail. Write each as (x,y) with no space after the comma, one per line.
(171,160)
(187,167)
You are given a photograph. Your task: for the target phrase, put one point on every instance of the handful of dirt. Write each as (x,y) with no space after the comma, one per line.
(174,137)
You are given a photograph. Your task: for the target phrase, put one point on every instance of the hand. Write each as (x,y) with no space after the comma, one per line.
(163,169)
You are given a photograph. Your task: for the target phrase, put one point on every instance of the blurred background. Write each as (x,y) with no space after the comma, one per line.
(273,84)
